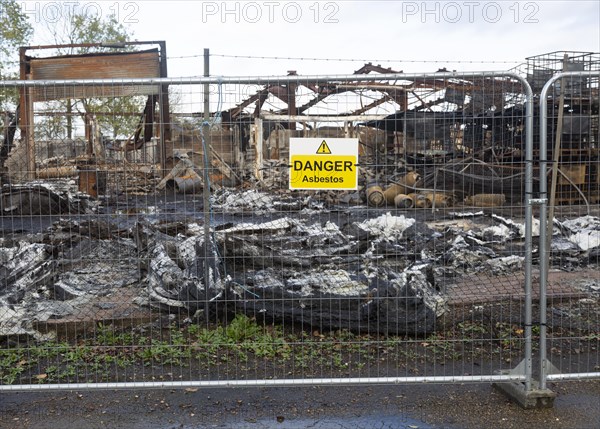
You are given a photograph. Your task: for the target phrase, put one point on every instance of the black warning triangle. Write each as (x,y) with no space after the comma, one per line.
(324,149)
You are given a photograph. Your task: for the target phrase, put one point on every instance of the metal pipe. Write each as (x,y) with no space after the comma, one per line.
(264,383)
(206,192)
(556,156)
(528,232)
(385,87)
(543,250)
(574,376)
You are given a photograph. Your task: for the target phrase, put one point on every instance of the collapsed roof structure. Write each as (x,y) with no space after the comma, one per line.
(98,61)
(448,129)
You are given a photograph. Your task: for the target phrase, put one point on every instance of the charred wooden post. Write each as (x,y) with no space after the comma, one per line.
(26,122)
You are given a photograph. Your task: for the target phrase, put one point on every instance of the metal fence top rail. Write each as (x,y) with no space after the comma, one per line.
(265,80)
(543,102)
(351,381)
(561,75)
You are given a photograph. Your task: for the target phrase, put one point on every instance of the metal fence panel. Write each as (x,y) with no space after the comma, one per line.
(569,139)
(119,269)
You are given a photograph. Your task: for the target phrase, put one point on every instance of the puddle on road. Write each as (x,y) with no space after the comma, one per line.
(366,422)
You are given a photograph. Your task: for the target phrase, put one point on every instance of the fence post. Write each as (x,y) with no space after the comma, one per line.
(206,152)
(525,393)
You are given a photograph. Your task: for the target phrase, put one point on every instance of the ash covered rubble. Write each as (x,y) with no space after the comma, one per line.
(576,242)
(382,273)
(44,198)
(259,203)
(48,275)
(51,275)
(330,276)
(177,268)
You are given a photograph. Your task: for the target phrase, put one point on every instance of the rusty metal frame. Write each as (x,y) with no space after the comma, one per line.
(395,92)
(27,97)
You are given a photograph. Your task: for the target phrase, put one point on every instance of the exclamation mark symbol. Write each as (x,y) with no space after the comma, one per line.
(324,149)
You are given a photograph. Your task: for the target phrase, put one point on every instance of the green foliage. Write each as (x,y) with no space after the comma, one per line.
(15,31)
(111,352)
(241,336)
(108,336)
(471,329)
(241,329)
(12,364)
(87,28)
(95,29)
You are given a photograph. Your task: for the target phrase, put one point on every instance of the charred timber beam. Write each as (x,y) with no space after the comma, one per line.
(165,119)
(375,103)
(369,67)
(321,96)
(259,103)
(236,111)
(321,118)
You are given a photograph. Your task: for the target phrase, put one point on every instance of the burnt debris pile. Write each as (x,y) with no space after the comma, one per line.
(44,198)
(360,270)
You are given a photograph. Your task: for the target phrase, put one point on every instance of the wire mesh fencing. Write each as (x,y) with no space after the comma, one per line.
(569,139)
(327,229)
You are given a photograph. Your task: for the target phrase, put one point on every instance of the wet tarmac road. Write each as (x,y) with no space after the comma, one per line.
(380,407)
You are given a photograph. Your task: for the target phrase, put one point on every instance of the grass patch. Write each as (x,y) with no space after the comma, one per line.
(245,347)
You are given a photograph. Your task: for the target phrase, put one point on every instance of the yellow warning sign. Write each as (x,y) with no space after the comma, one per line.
(319,164)
(317,172)
(324,149)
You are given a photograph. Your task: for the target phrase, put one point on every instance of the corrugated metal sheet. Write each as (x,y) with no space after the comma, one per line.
(57,92)
(144,64)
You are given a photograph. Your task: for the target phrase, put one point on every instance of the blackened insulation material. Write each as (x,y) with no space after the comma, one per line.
(38,198)
(501,127)
(426,125)
(390,304)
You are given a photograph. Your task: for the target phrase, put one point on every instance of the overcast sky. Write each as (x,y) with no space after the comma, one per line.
(413,36)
